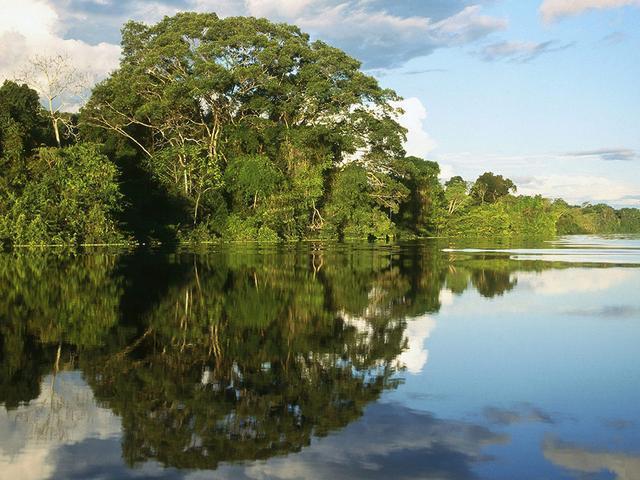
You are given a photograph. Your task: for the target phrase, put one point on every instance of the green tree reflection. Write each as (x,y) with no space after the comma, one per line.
(229,355)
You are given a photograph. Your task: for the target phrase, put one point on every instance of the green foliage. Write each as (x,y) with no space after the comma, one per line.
(456,195)
(590,219)
(251,109)
(241,129)
(70,197)
(22,125)
(423,209)
(252,179)
(488,188)
(21,130)
(510,216)
(353,207)
(629,220)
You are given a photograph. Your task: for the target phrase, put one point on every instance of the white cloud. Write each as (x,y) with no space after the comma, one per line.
(416,355)
(31,18)
(419,143)
(380,37)
(576,189)
(575,177)
(569,282)
(590,461)
(65,413)
(466,26)
(284,8)
(447,297)
(553,9)
(29,27)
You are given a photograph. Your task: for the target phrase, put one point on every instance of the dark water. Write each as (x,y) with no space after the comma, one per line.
(423,360)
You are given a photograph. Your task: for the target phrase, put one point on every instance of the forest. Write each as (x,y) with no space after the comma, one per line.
(239,129)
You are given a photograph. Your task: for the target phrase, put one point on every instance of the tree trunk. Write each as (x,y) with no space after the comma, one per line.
(54,122)
(57,132)
(195,211)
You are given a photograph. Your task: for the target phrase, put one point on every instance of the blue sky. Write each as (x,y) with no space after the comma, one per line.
(543,91)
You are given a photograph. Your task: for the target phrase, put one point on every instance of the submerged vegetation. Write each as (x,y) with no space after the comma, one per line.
(241,129)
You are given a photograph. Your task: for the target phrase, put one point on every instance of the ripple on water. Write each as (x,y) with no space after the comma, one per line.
(579,249)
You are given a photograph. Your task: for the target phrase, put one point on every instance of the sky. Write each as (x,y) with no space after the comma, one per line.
(545,92)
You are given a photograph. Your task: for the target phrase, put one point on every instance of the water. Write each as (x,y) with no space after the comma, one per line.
(419,360)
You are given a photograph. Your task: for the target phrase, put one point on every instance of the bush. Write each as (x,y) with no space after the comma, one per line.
(71,196)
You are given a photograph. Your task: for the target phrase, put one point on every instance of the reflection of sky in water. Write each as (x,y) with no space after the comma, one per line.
(620,250)
(553,364)
(64,414)
(540,382)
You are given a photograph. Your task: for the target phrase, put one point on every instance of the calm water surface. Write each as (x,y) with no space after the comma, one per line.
(426,360)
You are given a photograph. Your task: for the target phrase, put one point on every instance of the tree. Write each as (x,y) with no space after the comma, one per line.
(71,197)
(419,213)
(60,85)
(21,123)
(629,220)
(489,188)
(252,178)
(456,194)
(195,92)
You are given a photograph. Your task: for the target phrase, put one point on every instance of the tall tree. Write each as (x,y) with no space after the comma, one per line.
(456,194)
(194,92)
(488,188)
(60,84)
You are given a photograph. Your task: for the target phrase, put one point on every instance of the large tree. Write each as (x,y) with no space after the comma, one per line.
(195,93)
(489,187)
(60,85)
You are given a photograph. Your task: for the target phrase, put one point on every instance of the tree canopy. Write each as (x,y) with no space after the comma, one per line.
(240,129)
(244,107)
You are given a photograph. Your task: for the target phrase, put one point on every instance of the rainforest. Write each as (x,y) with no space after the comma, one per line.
(239,129)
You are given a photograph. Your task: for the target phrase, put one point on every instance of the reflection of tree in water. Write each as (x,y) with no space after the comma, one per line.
(54,415)
(221,356)
(490,276)
(245,359)
(49,303)
(490,283)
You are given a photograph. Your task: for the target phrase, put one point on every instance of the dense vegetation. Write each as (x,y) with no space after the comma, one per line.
(241,129)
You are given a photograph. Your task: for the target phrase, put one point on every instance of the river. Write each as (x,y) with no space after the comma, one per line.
(425,360)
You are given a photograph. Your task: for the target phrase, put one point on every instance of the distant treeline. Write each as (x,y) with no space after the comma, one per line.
(240,129)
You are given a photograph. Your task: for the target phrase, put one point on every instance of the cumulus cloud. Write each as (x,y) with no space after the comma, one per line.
(381,34)
(373,447)
(65,413)
(419,143)
(571,282)
(415,357)
(30,27)
(590,461)
(520,52)
(554,9)
(549,174)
